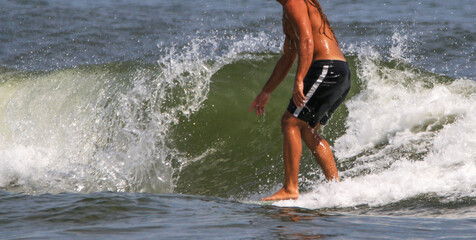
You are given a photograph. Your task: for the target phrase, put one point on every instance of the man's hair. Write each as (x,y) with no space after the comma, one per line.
(324,20)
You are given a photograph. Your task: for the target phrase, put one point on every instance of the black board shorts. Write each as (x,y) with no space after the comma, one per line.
(325,86)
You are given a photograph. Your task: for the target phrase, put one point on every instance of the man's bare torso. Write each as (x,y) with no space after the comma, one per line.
(325,45)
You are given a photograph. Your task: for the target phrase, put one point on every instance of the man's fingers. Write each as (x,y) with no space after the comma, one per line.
(259,110)
(302,100)
(252,106)
(259,103)
(299,100)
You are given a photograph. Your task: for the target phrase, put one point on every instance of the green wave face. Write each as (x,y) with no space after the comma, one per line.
(232,152)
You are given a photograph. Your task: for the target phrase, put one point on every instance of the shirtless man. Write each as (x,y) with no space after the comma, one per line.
(322,81)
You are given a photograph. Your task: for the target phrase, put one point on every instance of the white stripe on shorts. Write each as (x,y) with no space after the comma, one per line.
(313,89)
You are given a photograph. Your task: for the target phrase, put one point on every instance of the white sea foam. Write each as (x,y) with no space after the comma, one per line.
(408,133)
(98,130)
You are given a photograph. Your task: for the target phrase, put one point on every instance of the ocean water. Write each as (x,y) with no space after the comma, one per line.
(128,120)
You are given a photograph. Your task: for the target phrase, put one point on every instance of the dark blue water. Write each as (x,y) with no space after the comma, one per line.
(159,216)
(127,120)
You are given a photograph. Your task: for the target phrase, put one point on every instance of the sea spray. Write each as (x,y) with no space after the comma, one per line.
(409,133)
(107,127)
(46,128)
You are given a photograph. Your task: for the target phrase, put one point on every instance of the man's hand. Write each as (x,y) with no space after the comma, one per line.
(298,96)
(259,103)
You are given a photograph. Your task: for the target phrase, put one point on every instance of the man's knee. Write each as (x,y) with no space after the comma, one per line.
(285,121)
(288,121)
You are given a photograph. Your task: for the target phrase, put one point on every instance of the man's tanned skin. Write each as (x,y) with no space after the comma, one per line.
(309,38)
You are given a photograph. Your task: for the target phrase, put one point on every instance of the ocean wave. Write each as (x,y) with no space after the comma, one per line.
(182,126)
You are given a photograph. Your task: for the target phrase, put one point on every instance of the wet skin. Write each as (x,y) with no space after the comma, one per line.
(308,40)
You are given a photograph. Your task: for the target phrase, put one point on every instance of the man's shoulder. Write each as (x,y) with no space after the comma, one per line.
(293,5)
(294,2)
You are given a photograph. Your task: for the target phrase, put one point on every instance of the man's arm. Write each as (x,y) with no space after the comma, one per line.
(282,67)
(297,15)
(280,71)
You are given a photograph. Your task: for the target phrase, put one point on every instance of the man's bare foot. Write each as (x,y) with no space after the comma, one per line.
(283,194)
